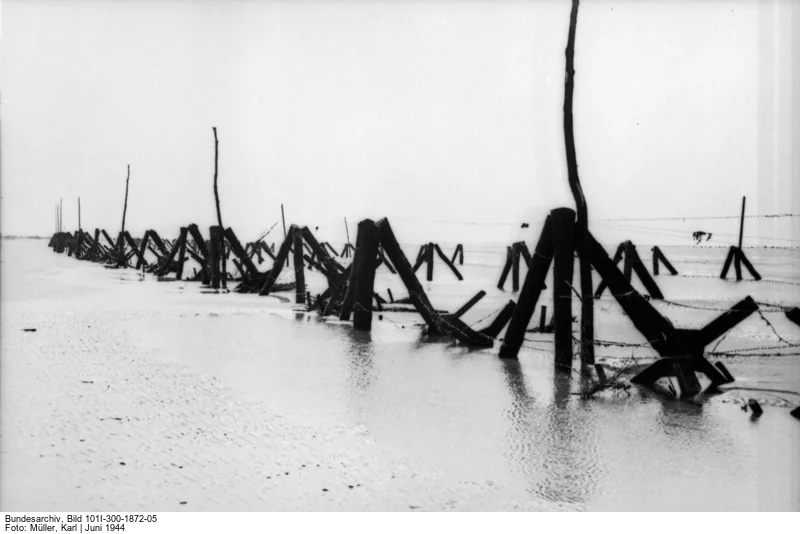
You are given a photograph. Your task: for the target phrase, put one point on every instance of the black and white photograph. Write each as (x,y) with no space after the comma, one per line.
(397,256)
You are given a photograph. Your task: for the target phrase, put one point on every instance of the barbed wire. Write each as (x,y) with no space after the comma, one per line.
(700,218)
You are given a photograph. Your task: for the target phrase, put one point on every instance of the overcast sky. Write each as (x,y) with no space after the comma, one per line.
(420,111)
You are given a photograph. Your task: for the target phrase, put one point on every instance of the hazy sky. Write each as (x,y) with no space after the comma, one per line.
(420,111)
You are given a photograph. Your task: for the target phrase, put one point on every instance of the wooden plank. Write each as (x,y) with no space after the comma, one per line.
(364,273)
(494,329)
(470,303)
(727,264)
(506,268)
(563,224)
(644,276)
(299,273)
(531,289)
(617,258)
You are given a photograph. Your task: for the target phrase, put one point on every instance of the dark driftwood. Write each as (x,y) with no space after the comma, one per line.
(531,289)
(563,222)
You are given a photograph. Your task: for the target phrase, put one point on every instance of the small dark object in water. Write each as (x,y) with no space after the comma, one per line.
(29,330)
(324,489)
(122,463)
(380,317)
(755,407)
(524,225)
(183,502)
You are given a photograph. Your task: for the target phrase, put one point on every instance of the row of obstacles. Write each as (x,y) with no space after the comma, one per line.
(351,292)
(425,256)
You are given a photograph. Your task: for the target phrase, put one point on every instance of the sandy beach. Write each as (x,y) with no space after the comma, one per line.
(137,395)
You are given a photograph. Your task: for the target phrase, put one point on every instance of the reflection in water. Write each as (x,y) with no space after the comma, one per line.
(360,365)
(553,445)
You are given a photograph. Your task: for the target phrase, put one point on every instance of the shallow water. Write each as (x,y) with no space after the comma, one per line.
(481,433)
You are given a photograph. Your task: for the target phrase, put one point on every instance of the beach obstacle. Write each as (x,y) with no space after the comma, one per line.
(513,254)
(736,255)
(458,253)
(425,256)
(556,245)
(658,258)
(633,264)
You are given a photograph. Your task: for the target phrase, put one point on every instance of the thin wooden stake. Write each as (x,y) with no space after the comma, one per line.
(582,225)
(219,213)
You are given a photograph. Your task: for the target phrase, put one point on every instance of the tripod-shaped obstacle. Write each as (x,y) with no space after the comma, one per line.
(633,263)
(425,255)
(513,254)
(736,255)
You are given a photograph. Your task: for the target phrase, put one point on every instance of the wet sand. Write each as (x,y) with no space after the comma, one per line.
(138,395)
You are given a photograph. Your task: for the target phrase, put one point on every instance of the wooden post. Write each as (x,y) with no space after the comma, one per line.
(299,274)
(239,252)
(515,267)
(727,264)
(531,289)
(181,244)
(582,228)
(422,256)
(331,265)
(125,208)
(656,329)
(366,254)
(563,221)
(391,297)
(628,265)
(347,230)
(142,248)
(543,319)
(741,223)
(659,257)
(641,272)
(415,292)
(429,260)
(506,268)
(280,259)
(617,258)
(61,213)
(214,255)
(748,265)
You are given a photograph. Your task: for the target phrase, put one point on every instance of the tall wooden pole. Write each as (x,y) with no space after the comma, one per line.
(125,208)
(346,229)
(582,225)
(219,213)
(741,223)
(61,215)
(284,222)
(79,213)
